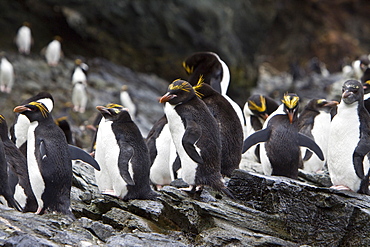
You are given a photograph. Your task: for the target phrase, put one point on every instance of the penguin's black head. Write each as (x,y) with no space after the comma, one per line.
(34,111)
(179,91)
(257,105)
(113,112)
(321,105)
(291,102)
(352,91)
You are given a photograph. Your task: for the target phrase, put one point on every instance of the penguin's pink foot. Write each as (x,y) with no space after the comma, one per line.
(340,187)
(38,211)
(159,187)
(192,188)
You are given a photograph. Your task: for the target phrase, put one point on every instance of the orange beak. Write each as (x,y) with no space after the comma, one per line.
(167,97)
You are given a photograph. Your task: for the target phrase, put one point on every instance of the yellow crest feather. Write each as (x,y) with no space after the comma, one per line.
(290,101)
(183,86)
(253,106)
(44,111)
(187,68)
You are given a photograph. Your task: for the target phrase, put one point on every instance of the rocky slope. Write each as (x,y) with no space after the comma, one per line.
(267,211)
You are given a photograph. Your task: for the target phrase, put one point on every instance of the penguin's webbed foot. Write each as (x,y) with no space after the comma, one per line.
(192,189)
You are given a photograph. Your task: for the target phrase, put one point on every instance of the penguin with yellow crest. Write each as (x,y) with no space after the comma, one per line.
(280,140)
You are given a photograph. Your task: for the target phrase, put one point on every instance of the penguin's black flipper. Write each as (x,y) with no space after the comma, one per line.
(358,157)
(79,154)
(307,142)
(307,155)
(125,154)
(191,136)
(260,136)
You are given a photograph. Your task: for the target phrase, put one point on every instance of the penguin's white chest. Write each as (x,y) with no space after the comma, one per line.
(177,129)
(107,154)
(52,53)
(36,180)
(343,139)
(161,169)
(78,76)
(24,39)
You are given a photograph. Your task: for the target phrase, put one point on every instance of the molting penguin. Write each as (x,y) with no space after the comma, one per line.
(19,181)
(280,152)
(79,82)
(49,160)
(314,122)
(6,76)
(214,71)
(196,137)
(349,141)
(23,39)
(19,130)
(122,155)
(53,51)
(163,156)
(231,131)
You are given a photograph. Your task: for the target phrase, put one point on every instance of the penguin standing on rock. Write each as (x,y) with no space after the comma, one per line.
(23,40)
(231,131)
(349,141)
(53,51)
(163,155)
(6,75)
(314,122)
(122,155)
(280,141)
(49,160)
(79,82)
(196,137)
(19,181)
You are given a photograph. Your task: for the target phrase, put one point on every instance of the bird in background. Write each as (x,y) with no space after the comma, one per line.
(6,75)
(23,39)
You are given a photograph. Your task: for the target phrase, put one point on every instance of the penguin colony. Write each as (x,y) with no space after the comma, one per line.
(200,139)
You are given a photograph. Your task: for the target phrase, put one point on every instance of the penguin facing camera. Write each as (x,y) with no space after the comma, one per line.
(53,51)
(196,137)
(280,141)
(6,75)
(23,39)
(349,141)
(122,155)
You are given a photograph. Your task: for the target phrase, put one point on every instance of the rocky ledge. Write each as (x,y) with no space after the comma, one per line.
(266,211)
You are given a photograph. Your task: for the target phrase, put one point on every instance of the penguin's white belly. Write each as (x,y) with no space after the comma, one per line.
(343,139)
(79,96)
(106,154)
(160,172)
(7,73)
(176,126)
(36,180)
(52,53)
(20,195)
(78,76)
(320,132)
(236,108)
(23,40)
(265,162)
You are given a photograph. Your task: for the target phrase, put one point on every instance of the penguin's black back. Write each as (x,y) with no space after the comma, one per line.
(125,128)
(153,135)
(282,148)
(231,132)
(56,168)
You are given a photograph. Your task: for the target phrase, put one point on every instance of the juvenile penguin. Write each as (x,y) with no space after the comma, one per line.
(122,155)
(19,129)
(23,40)
(6,75)
(349,141)
(19,181)
(280,140)
(214,71)
(231,131)
(53,51)
(196,137)
(162,153)
(127,102)
(314,122)
(49,160)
